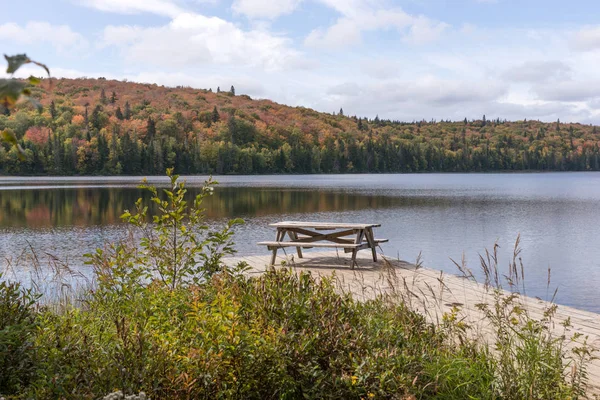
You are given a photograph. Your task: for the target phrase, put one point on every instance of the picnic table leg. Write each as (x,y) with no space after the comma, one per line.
(294,237)
(358,240)
(372,244)
(279,236)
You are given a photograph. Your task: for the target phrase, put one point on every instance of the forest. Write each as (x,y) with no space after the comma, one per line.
(107,127)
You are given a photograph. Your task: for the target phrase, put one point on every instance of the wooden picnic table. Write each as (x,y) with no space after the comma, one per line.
(350,237)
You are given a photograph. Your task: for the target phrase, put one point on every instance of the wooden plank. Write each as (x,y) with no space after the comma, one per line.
(311,244)
(322,225)
(336,237)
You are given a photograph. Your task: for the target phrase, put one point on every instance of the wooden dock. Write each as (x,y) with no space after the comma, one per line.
(432,293)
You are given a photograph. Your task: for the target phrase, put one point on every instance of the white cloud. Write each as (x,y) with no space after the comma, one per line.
(538,71)
(160,7)
(60,36)
(344,33)
(586,39)
(192,39)
(425,90)
(264,9)
(423,30)
(569,91)
(361,16)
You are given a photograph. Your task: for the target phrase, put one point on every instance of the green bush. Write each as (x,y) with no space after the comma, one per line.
(17,326)
(281,335)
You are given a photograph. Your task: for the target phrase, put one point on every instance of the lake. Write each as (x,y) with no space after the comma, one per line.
(440,216)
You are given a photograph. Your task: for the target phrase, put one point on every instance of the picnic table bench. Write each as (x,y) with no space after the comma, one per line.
(306,235)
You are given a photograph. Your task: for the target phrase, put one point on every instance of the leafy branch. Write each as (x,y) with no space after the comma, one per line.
(12,90)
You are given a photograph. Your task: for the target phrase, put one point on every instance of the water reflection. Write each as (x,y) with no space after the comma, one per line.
(46,208)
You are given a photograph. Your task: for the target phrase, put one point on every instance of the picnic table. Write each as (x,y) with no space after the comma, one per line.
(306,235)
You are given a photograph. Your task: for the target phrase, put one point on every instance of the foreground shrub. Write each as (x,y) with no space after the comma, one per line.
(281,335)
(17,326)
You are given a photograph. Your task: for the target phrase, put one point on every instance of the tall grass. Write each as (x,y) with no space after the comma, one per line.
(167,317)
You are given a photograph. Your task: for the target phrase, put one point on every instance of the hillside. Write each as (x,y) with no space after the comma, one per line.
(98,126)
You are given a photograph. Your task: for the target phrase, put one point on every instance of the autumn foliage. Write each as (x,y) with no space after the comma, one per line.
(141,128)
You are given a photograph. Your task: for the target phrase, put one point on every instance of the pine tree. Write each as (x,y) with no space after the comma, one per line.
(232,90)
(86,113)
(360,125)
(232,127)
(341,111)
(95,120)
(151,129)
(52,110)
(484,121)
(127,113)
(218,89)
(215,115)
(113,98)
(119,114)
(103,98)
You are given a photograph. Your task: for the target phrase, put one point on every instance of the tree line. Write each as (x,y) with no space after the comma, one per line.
(199,132)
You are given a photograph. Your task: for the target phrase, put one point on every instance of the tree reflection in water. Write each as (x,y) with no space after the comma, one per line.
(63,207)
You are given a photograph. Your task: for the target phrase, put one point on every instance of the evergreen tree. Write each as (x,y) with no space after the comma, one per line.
(232,126)
(95,120)
(85,116)
(341,111)
(53,113)
(113,98)
(215,115)
(232,90)
(151,129)
(119,114)
(103,98)
(127,113)
(484,121)
(218,89)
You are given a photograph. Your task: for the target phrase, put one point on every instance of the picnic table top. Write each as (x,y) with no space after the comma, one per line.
(322,225)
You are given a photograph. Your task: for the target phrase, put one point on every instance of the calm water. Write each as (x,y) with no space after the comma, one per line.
(439,215)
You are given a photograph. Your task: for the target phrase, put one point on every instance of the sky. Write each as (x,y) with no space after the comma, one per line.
(398,59)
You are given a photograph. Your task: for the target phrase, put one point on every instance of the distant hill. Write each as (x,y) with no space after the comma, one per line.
(98,126)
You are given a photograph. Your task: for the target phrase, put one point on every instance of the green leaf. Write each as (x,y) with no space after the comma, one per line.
(10,91)
(15,62)
(9,137)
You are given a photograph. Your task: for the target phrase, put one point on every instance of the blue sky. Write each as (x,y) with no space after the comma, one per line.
(403,59)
